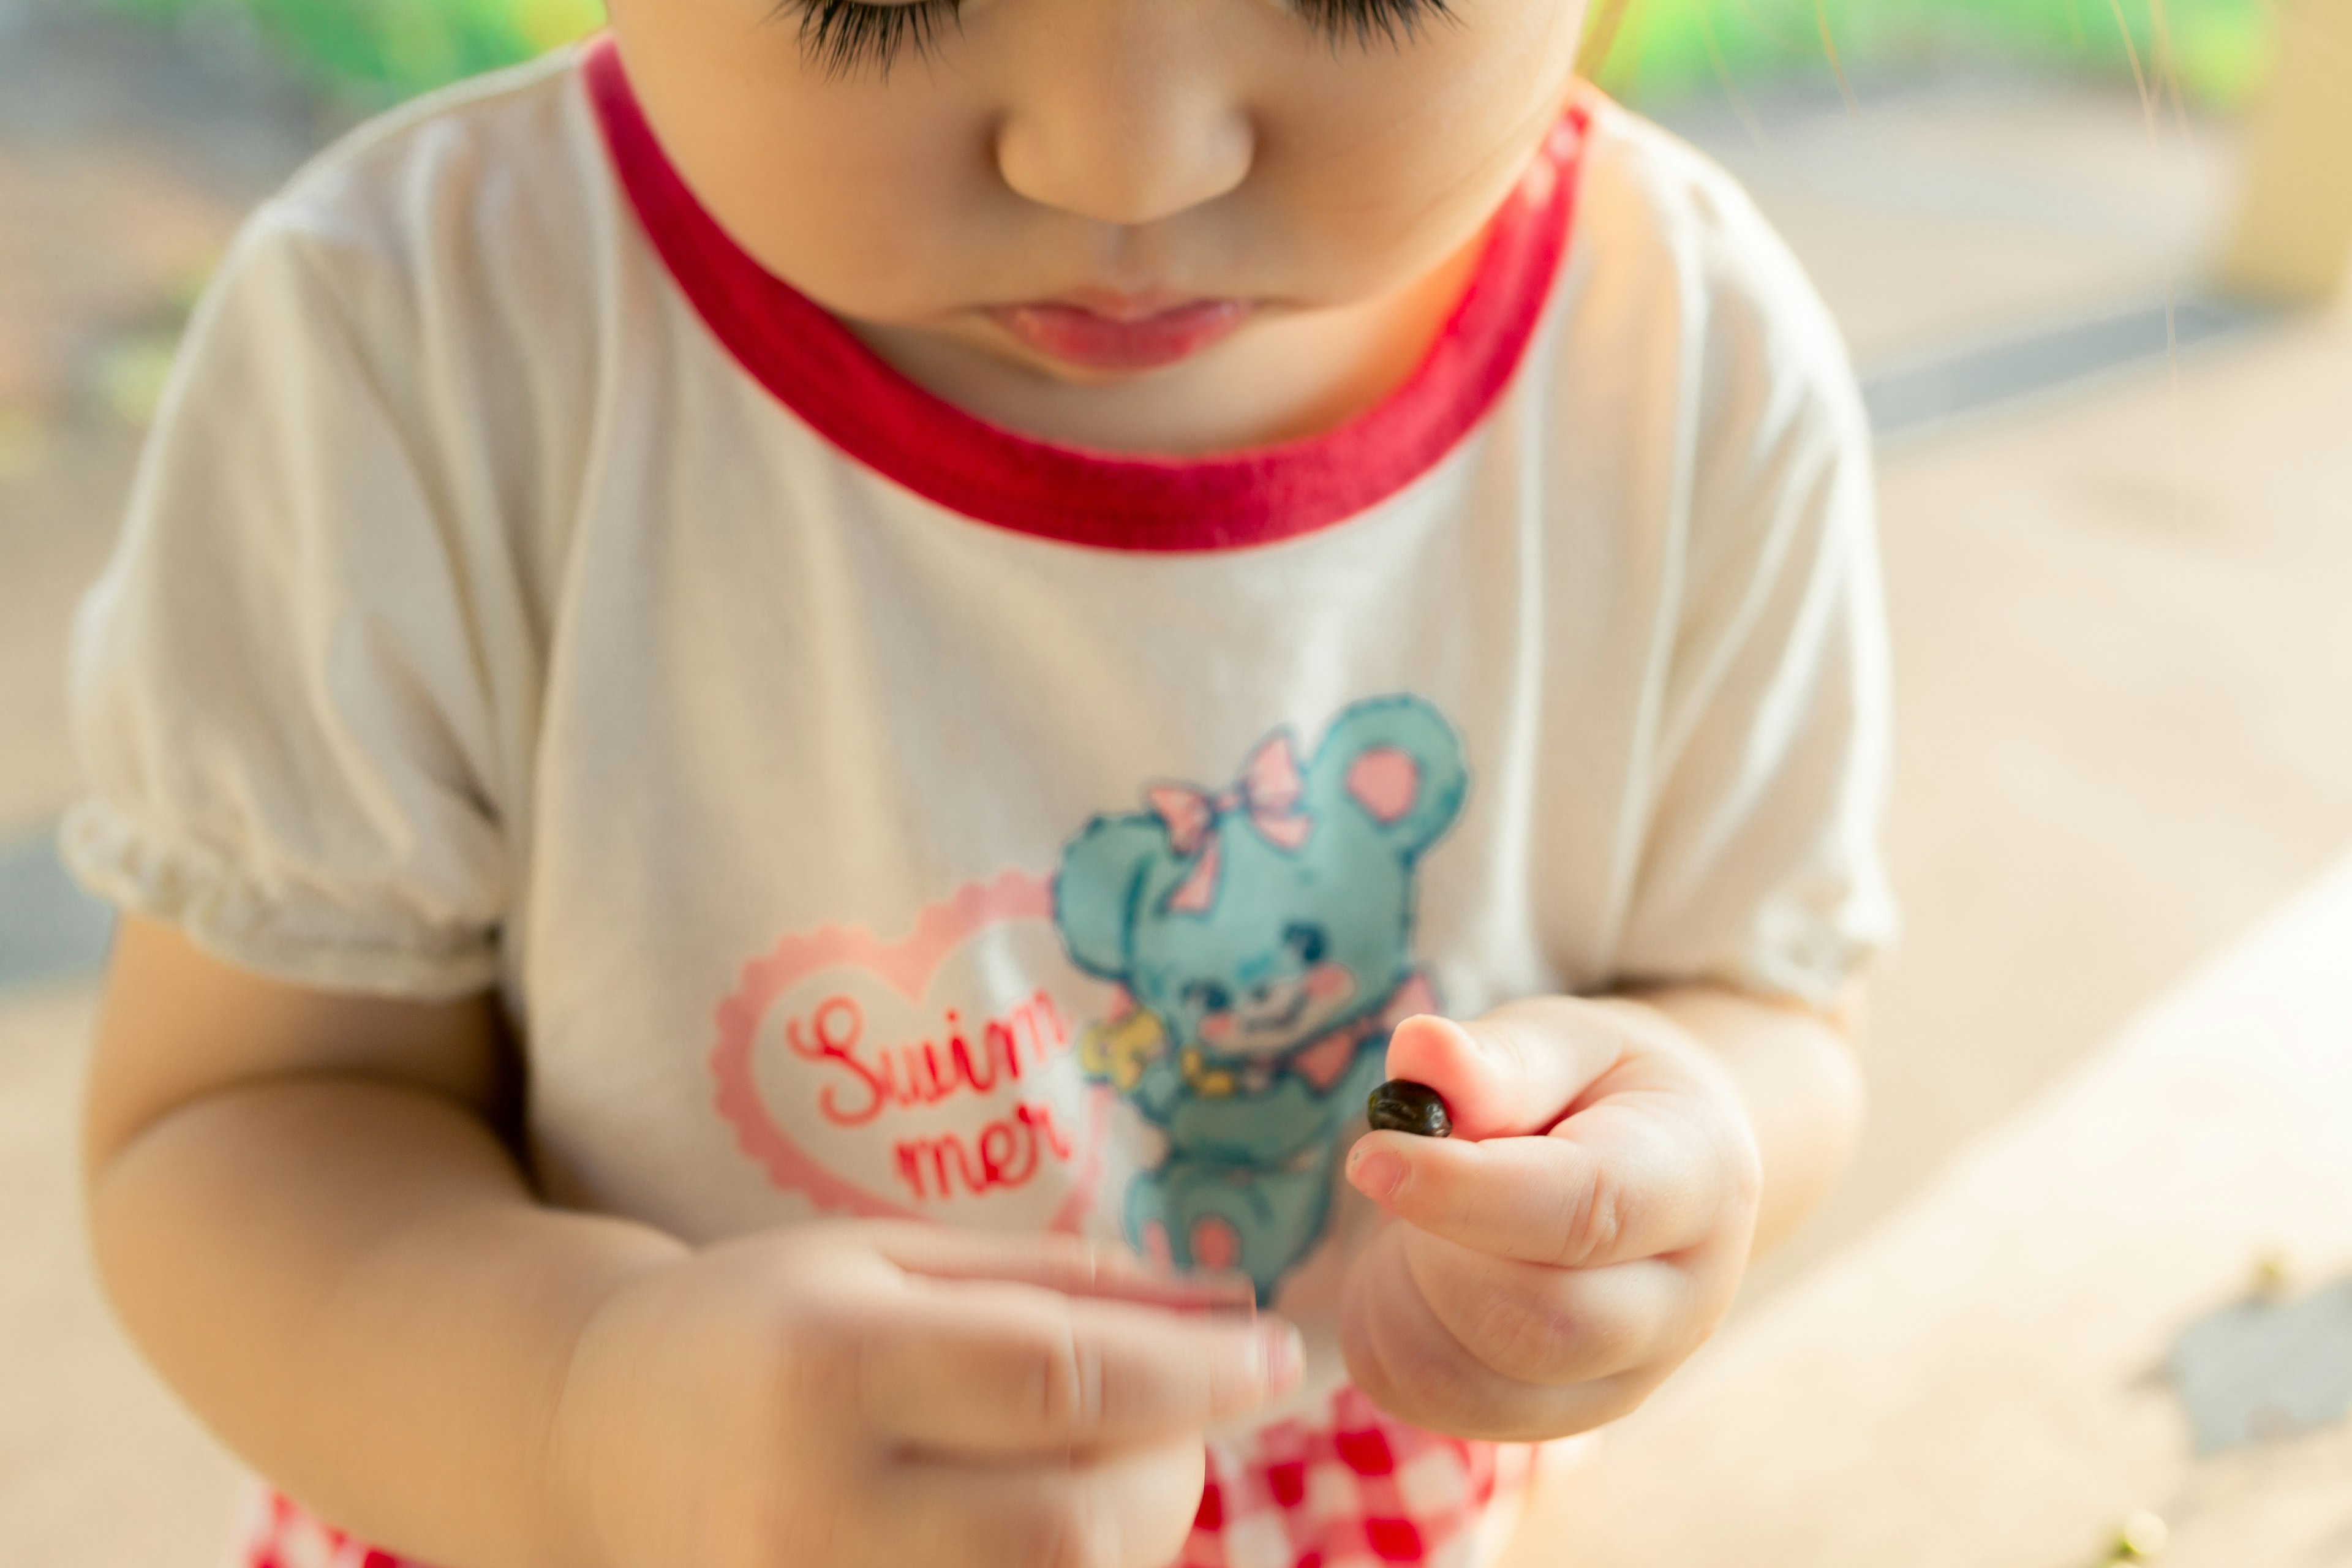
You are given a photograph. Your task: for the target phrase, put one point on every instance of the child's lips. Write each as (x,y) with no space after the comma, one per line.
(1117,338)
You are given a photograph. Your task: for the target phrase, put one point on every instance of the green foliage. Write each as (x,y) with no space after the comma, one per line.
(2218,48)
(384,49)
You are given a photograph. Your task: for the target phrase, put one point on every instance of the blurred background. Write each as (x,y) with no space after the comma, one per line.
(2087,254)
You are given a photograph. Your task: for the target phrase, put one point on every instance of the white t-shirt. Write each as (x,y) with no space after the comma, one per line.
(867,811)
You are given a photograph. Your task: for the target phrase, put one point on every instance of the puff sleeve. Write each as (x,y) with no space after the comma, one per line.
(286,687)
(1763,864)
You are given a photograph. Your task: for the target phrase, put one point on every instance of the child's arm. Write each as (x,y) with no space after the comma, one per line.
(1616,1165)
(301,1212)
(302,1216)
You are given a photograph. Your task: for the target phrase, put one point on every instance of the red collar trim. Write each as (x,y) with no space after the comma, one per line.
(836,386)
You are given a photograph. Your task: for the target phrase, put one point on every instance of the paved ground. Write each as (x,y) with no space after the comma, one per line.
(2123,654)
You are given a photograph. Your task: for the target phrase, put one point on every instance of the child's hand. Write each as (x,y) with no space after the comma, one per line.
(1580,1234)
(877,1395)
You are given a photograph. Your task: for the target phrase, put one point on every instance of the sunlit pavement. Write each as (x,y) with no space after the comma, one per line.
(2119,617)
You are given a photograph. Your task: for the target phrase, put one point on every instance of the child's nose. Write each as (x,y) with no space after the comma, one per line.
(1117,123)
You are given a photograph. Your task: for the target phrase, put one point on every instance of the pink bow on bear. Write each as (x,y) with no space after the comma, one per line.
(1269,791)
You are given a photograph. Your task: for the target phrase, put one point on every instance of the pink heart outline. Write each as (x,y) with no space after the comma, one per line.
(906,967)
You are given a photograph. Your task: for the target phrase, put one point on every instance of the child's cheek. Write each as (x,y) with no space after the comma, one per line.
(1217,1029)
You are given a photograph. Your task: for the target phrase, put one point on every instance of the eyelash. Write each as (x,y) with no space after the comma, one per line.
(846,37)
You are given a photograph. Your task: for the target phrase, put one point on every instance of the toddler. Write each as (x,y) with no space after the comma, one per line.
(796,705)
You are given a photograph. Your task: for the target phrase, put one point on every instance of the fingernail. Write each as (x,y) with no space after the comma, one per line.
(1377,1174)
(1286,1358)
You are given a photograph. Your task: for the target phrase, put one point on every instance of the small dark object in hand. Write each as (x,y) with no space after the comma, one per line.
(1401,1105)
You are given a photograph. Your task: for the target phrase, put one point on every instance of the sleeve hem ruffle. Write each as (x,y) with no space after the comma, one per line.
(1816,961)
(304,942)
(1809,959)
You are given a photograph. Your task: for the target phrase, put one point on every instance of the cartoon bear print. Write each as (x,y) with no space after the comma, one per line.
(1264,934)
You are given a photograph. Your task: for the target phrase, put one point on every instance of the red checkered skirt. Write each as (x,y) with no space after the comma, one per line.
(1353,1489)
(1356,1489)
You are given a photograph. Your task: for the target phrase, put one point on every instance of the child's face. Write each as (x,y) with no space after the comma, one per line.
(1095,190)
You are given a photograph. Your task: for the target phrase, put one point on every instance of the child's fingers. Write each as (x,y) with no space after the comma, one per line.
(1011,1370)
(1609,1185)
(1128,1509)
(1516,1070)
(1555,1326)
(1072,1264)
(1404,1357)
